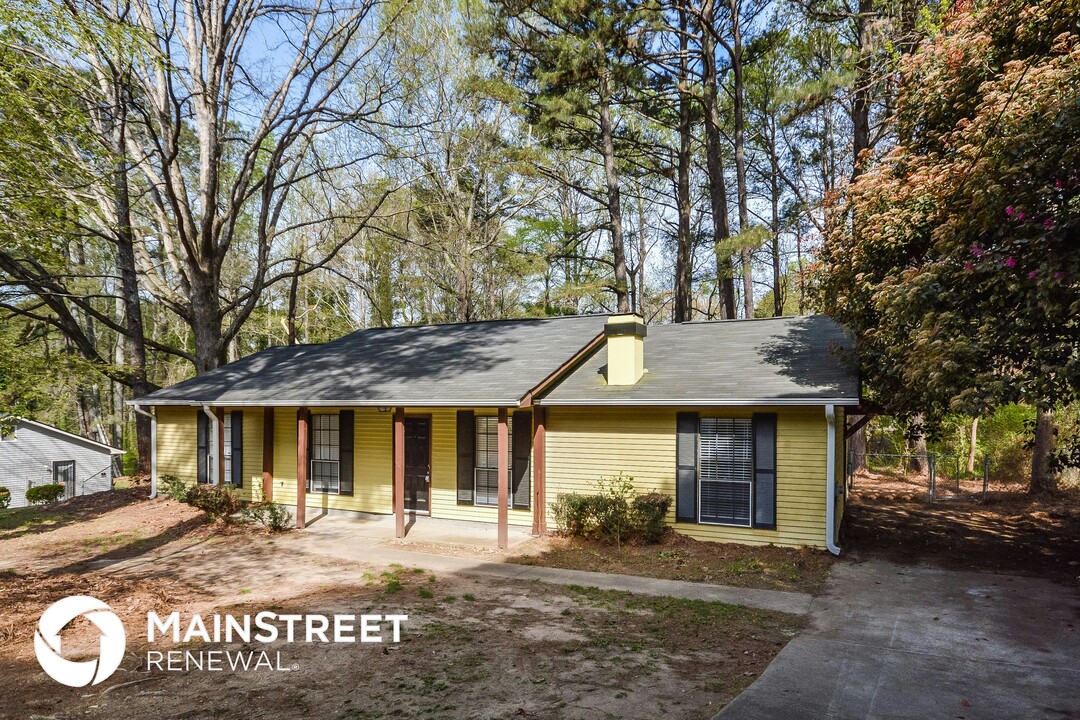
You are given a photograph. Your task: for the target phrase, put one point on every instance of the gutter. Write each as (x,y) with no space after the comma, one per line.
(153,447)
(214,449)
(830,481)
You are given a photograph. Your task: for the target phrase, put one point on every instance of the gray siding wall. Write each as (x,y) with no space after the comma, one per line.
(27,461)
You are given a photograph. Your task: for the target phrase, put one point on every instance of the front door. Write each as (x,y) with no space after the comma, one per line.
(417,464)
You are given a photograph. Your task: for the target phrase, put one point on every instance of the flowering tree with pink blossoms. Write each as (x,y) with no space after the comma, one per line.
(960,269)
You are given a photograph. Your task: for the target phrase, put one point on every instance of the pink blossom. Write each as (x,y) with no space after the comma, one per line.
(1020,216)
(977,251)
(1048,223)
(968,266)
(1010,262)
(1032,275)
(1009,211)
(1058,184)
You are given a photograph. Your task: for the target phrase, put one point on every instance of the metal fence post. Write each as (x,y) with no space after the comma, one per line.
(931,461)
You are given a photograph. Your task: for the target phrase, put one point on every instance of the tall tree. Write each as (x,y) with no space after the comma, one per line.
(964,293)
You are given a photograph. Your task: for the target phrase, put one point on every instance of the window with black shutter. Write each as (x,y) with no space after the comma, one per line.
(202,432)
(325,462)
(726,472)
(466,457)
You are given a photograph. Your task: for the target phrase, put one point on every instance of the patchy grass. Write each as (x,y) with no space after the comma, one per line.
(681,558)
(27,517)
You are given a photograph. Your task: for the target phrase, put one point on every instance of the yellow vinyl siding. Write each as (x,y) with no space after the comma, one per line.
(585,444)
(372,463)
(177,448)
(444,471)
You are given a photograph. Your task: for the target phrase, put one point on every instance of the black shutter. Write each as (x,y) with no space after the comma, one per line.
(466,456)
(345,451)
(686,461)
(237,448)
(765,471)
(310,447)
(203,431)
(520,485)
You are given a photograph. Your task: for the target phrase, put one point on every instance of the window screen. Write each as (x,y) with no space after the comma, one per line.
(726,453)
(227,450)
(486,491)
(325,453)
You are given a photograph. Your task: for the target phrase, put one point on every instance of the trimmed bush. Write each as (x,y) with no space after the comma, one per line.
(5,498)
(614,515)
(650,510)
(44,494)
(274,516)
(173,487)
(217,501)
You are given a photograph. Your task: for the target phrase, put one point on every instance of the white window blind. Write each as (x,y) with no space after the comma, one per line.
(325,453)
(726,453)
(487,458)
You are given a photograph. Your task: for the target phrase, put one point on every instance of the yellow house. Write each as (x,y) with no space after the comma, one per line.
(741,422)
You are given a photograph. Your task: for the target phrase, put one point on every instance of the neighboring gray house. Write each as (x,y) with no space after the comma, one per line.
(37,454)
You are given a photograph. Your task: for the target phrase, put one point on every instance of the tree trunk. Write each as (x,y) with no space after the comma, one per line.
(971,447)
(290,314)
(1043,478)
(917,446)
(205,321)
(860,101)
(614,203)
(135,336)
(745,253)
(774,192)
(683,306)
(857,444)
(715,165)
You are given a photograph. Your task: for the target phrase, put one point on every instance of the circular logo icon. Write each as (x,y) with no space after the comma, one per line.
(86,672)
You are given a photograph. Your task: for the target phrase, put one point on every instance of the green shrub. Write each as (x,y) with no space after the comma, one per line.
(217,501)
(650,510)
(173,487)
(5,498)
(44,494)
(615,514)
(274,516)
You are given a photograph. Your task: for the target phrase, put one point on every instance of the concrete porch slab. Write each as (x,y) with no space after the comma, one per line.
(370,530)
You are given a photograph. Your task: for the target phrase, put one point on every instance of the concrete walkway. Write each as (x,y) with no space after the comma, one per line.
(890,641)
(355,540)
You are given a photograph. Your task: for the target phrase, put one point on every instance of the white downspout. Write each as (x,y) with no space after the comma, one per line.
(153,448)
(830,481)
(212,471)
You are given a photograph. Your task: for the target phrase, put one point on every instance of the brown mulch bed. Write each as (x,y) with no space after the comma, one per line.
(1012,532)
(679,557)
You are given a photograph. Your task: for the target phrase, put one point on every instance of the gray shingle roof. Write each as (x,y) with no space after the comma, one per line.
(799,360)
(491,364)
(781,360)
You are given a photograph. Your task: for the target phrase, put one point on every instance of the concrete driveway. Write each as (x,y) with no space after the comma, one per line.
(892,641)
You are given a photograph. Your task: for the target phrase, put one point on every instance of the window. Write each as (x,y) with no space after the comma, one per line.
(325,454)
(487,459)
(227,450)
(64,472)
(726,462)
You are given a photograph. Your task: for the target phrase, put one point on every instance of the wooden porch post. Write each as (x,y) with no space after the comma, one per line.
(399,472)
(301,465)
(268,454)
(504,480)
(539,470)
(220,413)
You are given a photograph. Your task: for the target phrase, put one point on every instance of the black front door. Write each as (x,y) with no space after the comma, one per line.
(417,464)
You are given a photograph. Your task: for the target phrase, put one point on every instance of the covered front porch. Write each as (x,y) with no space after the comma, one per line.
(483,465)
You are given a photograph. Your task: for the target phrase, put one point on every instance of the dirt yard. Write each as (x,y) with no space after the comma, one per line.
(470,648)
(682,558)
(888,516)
